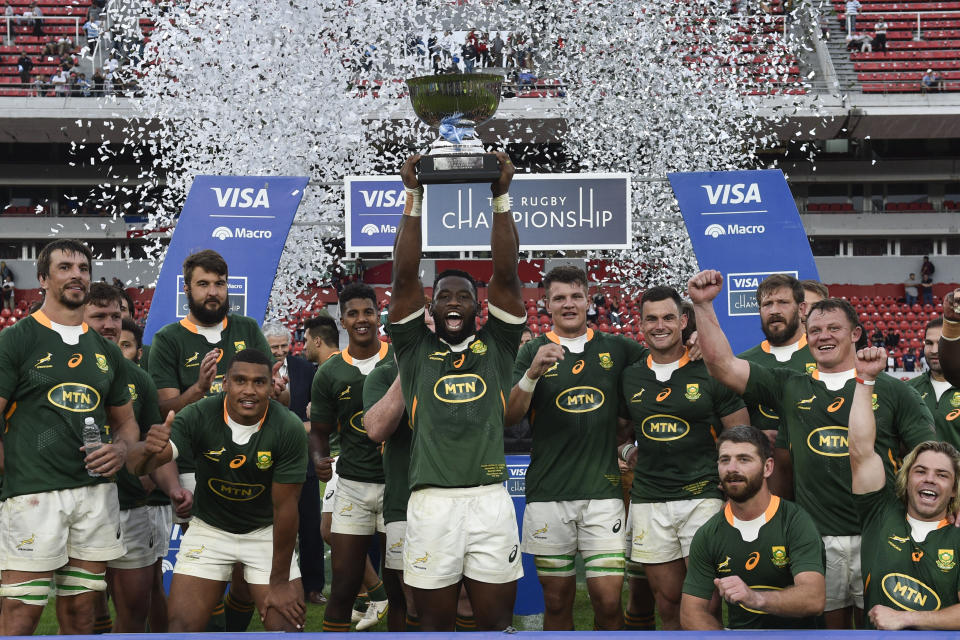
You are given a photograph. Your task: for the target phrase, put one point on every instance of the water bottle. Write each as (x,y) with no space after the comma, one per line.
(91,440)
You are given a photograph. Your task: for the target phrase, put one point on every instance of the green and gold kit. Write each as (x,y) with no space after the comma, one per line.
(178,349)
(143,393)
(337,398)
(456,401)
(50,388)
(945,411)
(899,572)
(802,360)
(573,413)
(676,424)
(396,450)
(787,544)
(813,425)
(234,481)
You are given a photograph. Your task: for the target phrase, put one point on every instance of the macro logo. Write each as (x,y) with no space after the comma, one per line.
(75,397)
(663,427)
(222,233)
(909,593)
(235,491)
(464,387)
(370,229)
(715,231)
(580,399)
(829,441)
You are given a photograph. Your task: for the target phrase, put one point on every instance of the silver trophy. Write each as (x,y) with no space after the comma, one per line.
(455,105)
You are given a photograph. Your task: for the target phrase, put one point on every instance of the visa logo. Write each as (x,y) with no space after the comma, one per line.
(384,197)
(243,198)
(732,193)
(746,283)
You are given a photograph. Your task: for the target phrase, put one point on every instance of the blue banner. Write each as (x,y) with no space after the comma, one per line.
(744,224)
(552,211)
(243,218)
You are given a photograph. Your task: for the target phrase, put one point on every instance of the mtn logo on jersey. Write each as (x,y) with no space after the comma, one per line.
(75,397)
(580,399)
(909,593)
(44,362)
(235,491)
(693,392)
(829,441)
(662,427)
(463,387)
(356,422)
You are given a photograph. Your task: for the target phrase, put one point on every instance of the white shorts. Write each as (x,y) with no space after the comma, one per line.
(163,521)
(330,491)
(843,576)
(663,531)
(552,528)
(459,532)
(139,537)
(40,531)
(210,553)
(396,532)
(357,508)
(189,482)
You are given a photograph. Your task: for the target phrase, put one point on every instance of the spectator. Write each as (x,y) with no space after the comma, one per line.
(59,82)
(892,339)
(880,35)
(64,46)
(877,338)
(859,41)
(483,51)
(496,50)
(50,49)
(40,86)
(926,289)
(6,286)
(24,66)
(926,267)
(83,90)
(592,312)
(824,24)
(92,29)
(852,9)
(910,290)
(909,361)
(98,81)
(469,56)
(931,82)
(117,282)
(37,20)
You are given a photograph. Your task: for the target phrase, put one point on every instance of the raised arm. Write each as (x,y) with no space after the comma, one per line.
(950,338)
(866,464)
(504,289)
(522,393)
(407,294)
(717,354)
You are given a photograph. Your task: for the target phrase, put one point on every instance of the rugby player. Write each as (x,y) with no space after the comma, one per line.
(950,338)
(677,411)
(762,554)
(251,460)
(461,523)
(909,553)
(568,380)
(941,397)
(60,521)
(337,403)
(814,410)
(813,291)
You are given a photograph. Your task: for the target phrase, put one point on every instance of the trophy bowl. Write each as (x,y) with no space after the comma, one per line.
(455,104)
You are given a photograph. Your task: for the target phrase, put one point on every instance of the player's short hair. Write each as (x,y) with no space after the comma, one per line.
(128,298)
(911,458)
(208,260)
(127,324)
(780,281)
(567,274)
(750,434)
(355,291)
(252,356)
(457,273)
(815,286)
(687,309)
(103,294)
(526,330)
(275,330)
(325,328)
(66,246)
(656,294)
(936,323)
(836,304)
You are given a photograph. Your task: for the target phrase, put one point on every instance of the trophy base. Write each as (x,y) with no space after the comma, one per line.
(453,168)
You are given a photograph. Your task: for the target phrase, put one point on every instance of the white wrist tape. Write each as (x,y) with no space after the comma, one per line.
(414,205)
(527,384)
(501,204)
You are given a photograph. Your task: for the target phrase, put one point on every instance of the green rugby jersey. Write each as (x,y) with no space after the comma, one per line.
(336,397)
(51,387)
(573,413)
(945,411)
(802,360)
(143,393)
(234,481)
(899,572)
(676,424)
(814,426)
(787,544)
(178,350)
(396,450)
(456,402)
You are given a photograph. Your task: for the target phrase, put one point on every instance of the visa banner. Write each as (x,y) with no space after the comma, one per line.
(246,220)
(744,224)
(552,211)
